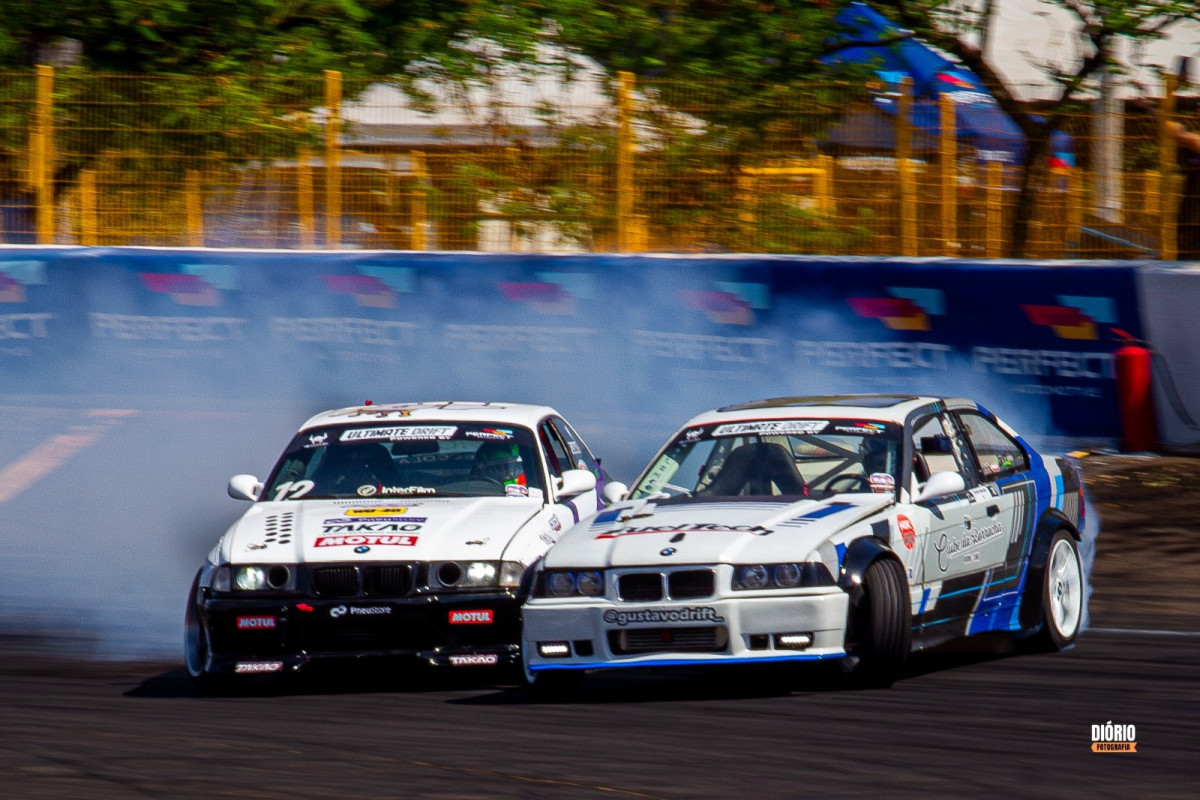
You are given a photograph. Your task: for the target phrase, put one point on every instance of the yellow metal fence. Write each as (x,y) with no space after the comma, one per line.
(592,166)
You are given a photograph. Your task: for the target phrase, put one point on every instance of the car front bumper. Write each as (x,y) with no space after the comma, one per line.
(602,634)
(285,635)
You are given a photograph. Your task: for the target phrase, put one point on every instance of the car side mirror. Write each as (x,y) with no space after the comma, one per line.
(244,487)
(614,492)
(575,481)
(941,484)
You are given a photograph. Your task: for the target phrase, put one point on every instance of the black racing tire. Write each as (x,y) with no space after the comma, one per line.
(197,651)
(1062,597)
(553,686)
(879,627)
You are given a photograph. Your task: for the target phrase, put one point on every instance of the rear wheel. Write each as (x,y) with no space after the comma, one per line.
(1062,596)
(879,628)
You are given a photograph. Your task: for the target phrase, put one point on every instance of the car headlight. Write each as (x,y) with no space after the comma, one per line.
(781,576)
(569,583)
(475,574)
(254,578)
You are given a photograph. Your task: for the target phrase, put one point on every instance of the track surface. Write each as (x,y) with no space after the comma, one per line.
(958,725)
(962,722)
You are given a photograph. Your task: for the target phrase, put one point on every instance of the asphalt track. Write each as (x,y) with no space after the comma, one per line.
(961,722)
(958,724)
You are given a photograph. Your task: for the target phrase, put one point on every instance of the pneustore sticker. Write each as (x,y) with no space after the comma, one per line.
(777,427)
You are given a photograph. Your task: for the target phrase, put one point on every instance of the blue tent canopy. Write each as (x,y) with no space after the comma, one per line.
(979,120)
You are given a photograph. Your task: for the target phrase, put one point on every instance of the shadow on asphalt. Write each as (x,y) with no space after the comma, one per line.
(489,687)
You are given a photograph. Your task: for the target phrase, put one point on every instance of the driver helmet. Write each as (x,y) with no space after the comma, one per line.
(501,462)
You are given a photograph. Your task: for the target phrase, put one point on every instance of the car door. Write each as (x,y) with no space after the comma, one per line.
(1006,497)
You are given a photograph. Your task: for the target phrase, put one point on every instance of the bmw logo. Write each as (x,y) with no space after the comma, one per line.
(362,548)
(667,551)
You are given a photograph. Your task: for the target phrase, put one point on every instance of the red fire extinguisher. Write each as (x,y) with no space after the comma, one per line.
(1135,394)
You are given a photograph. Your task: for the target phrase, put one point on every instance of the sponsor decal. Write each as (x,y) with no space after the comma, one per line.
(865,428)
(475,660)
(651,616)
(728,303)
(515,490)
(358,526)
(1110,738)
(1044,363)
(881,482)
(521,341)
(399,433)
(15,276)
(481,616)
(377,520)
(544,297)
(491,434)
(255,623)
(965,544)
(184,288)
(359,611)
(356,540)
(555,525)
(907,309)
(703,347)
(686,527)
(781,427)
(344,330)
(1075,318)
(874,355)
(693,434)
(184,329)
(317,440)
(377,511)
(908,534)
(244,667)
(368,491)
(305,607)
(373,287)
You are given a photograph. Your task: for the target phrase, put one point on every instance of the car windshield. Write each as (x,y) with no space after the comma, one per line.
(444,459)
(787,458)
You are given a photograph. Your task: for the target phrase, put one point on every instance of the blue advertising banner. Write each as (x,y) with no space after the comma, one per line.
(650,337)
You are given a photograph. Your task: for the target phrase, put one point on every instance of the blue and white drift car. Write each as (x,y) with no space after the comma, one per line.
(848,528)
(390,530)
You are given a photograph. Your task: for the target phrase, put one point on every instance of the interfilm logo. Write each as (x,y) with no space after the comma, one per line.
(1110,738)
(373,287)
(727,302)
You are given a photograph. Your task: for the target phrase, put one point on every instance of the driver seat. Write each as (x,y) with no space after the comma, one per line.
(753,468)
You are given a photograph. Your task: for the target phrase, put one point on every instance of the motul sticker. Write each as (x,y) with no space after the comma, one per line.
(907,532)
(355,541)
(255,623)
(481,616)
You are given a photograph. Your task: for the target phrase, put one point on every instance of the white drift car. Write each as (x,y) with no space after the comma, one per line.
(390,530)
(852,528)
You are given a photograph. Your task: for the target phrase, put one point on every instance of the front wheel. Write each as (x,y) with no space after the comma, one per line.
(197,650)
(1062,596)
(879,627)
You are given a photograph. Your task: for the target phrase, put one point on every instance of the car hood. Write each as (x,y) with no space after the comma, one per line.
(642,533)
(471,528)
